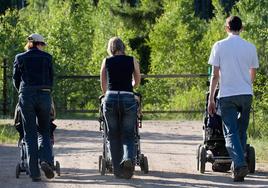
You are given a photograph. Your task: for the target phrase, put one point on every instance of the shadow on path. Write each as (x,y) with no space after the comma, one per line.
(159,179)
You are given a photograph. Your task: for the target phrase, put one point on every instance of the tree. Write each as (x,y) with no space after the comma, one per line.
(173,41)
(12,41)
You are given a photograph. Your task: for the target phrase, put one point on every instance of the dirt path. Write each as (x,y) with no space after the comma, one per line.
(170,148)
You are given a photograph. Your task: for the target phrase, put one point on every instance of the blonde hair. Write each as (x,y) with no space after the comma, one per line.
(28,45)
(115,44)
(32,44)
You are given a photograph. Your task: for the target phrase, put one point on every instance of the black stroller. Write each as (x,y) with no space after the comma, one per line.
(105,160)
(22,165)
(213,149)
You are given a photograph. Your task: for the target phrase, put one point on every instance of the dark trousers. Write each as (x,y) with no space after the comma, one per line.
(235,128)
(35,108)
(120,111)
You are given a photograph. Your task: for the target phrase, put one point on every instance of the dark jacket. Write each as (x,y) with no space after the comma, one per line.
(33,70)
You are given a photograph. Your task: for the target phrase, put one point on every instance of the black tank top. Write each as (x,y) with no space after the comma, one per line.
(119,71)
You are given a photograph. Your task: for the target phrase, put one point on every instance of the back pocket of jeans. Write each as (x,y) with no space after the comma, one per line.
(130,106)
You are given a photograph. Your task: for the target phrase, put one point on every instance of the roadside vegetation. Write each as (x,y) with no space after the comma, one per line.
(261,147)
(8,133)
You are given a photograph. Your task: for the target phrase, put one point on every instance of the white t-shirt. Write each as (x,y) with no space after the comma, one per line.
(235,56)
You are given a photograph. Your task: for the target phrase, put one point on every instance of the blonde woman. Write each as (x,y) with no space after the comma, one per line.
(119,74)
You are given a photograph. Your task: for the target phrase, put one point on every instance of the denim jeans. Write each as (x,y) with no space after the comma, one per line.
(235,111)
(120,112)
(35,110)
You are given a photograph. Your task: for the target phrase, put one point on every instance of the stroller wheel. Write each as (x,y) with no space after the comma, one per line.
(144,165)
(100,160)
(203,156)
(140,161)
(251,159)
(103,167)
(57,168)
(110,167)
(18,170)
(198,156)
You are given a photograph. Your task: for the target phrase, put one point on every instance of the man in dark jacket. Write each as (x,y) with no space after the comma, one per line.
(33,79)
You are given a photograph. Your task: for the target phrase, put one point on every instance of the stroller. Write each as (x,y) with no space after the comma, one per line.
(22,165)
(213,149)
(105,160)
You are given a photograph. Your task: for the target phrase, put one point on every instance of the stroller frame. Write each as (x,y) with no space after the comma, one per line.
(105,160)
(22,165)
(213,148)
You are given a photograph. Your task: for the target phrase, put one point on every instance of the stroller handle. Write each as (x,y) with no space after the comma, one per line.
(101,97)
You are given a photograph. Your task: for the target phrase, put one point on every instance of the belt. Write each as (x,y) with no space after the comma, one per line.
(119,92)
(45,90)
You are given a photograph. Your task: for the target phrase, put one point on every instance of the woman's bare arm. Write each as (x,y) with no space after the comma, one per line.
(136,74)
(103,77)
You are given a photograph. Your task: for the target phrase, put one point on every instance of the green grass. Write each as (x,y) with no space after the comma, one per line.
(261,148)
(80,116)
(173,116)
(8,133)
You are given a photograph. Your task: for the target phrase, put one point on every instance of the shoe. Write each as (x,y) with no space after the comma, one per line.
(239,179)
(48,170)
(239,173)
(118,176)
(36,179)
(128,169)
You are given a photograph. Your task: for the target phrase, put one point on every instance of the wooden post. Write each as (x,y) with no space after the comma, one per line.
(5,86)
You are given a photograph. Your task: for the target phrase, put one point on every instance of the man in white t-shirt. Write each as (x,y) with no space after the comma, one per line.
(234,62)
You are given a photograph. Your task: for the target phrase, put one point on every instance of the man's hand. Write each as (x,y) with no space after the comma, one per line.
(213,84)
(211,107)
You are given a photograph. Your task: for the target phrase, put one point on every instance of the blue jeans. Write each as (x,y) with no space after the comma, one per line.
(235,129)
(35,110)
(120,112)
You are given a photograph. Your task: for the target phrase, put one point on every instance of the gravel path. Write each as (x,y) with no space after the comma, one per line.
(169,145)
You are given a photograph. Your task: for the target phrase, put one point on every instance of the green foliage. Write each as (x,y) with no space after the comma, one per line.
(10,35)
(214,32)
(12,42)
(261,148)
(140,18)
(175,38)
(188,99)
(68,28)
(174,42)
(137,22)
(260,105)
(8,133)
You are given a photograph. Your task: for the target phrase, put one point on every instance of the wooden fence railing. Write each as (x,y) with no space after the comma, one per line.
(7,107)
